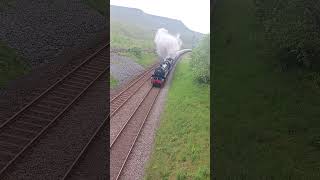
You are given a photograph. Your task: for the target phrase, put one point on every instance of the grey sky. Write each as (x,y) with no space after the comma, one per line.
(194,14)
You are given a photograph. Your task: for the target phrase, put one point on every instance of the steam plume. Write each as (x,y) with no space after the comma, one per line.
(167,45)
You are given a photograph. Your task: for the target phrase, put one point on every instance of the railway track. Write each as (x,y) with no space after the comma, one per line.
(122,145)
(85,148)
(23,129)
(120,99)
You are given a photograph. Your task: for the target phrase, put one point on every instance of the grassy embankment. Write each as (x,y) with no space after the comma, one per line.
(11,65)
(267,121)
(99,5)
(136,40)
(182,141)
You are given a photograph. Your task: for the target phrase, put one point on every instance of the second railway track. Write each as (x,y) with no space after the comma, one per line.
(122,145)
(19,132)
(121,98)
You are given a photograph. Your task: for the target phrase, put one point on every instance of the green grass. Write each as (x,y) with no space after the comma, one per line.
(113,82)
(267,121)
(145,59)
(11,65)
(129,36)
(182,141)
(99,5)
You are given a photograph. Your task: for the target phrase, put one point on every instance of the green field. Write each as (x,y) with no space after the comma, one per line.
(11,65)
(182,141)
(99,5)
(267,121)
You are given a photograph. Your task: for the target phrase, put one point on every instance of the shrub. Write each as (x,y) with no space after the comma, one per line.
(137,52)
(200,61)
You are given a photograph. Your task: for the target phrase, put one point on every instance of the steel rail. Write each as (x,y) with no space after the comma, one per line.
(112,113)
(135,140)
(134,112)
(84,149)
(52,121)
(134,82)
(52,86)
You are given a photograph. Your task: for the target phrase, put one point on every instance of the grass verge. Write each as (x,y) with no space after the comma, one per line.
(182,142)
(11,65)
(267,121)
(113,82)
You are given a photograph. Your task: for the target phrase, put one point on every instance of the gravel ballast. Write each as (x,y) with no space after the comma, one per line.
(54,152)
(42,30)
(123,114)
(137,161)
(123,68)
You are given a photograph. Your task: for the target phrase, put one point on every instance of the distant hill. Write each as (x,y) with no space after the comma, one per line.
(151,23)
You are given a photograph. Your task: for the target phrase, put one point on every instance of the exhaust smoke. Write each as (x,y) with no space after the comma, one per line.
(167,45)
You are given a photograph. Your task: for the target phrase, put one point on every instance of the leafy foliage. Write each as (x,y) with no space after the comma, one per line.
(200,62)
(293,28)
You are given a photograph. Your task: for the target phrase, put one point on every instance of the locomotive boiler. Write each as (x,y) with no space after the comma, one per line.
(160,74)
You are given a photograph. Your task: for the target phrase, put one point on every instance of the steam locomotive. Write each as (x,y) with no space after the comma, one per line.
(160,74)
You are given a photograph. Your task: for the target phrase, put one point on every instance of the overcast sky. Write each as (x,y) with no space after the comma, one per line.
(195,14)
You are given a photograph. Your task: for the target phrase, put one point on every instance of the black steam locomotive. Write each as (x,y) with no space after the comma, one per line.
(160,73)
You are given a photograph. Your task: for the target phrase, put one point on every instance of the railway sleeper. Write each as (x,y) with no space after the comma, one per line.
(53,104)
(67,85)
(88,71)
(48,106)
(15,136)
(15,128)
(9,149)
(37,113)
(75,84)
(6,143)
(31,124)
(20,134)
(89,78)
(94,68)
(67,97)
(39,123)
(85,81)
(57,99)
(13,139)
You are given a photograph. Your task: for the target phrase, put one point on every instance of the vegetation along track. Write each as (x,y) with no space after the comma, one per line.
(120,99)
(21,130)
(122,145)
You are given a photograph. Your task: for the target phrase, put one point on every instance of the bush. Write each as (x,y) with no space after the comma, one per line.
(200,61)
(137,52)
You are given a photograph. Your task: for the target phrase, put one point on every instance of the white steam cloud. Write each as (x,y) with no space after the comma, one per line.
(167,45)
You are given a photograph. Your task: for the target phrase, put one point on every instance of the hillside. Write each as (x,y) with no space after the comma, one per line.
(151,23)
